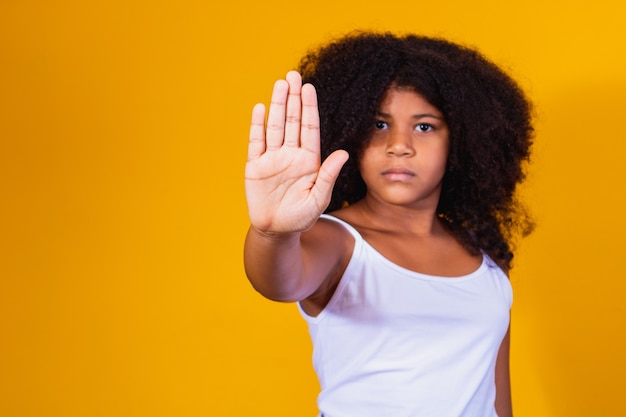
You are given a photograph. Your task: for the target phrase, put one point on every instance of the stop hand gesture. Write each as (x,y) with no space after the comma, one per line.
(286,186)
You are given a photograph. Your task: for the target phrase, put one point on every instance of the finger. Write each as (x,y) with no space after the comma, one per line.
(256,144)
(294,109)
(276,118)
(328,174)
(310,130)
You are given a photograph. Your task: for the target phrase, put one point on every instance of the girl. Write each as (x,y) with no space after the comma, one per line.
(399,260)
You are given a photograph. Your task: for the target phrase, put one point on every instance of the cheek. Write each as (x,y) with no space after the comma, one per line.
(365,159)
(368,165)
(444,152)
(436,164)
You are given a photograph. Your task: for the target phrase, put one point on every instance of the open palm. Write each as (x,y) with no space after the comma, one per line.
(287,187)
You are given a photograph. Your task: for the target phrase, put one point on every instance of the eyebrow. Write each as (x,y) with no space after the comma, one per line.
(415,116)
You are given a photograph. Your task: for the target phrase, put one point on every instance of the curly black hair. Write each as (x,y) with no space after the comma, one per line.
(488,116)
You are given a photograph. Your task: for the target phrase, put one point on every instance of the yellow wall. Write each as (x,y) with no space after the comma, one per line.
(123,128)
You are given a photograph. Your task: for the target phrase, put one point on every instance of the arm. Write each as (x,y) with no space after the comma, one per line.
(503,379)
(286,255)
(292,267)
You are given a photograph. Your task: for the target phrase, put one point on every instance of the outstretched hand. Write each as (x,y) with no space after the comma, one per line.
(287,186)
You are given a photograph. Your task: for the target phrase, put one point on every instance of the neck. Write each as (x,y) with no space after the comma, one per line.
(420,221)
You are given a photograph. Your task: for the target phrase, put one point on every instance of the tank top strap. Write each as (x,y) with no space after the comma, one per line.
(357,236)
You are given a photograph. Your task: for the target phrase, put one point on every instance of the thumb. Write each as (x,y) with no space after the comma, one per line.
(329,171)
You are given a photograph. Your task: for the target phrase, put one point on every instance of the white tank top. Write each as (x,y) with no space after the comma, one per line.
(394,342)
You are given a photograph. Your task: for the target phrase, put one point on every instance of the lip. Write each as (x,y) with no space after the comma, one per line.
(398,174)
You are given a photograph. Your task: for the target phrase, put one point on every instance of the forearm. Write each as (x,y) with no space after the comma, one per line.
(503,379)
(274,265)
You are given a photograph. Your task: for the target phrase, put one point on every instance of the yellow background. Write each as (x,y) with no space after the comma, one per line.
(123,130)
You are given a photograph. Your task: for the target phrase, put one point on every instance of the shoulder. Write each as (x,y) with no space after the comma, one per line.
(331,227)
(330,241)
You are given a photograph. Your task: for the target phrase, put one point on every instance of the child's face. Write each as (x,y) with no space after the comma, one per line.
(404,161)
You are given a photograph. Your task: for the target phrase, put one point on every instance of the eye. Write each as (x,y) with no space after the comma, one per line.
(380,125)
(424,127)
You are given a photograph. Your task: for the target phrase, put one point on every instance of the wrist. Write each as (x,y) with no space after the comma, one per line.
(274,236)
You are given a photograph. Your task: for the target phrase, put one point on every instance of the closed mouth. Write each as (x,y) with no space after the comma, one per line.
(399,171)
(398,174)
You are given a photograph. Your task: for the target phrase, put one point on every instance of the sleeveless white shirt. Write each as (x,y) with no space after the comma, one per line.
(396,343)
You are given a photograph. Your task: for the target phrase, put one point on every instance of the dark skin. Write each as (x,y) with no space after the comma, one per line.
(488,116)
(292,255)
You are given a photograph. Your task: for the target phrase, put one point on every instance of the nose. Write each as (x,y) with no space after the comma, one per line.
(400,143)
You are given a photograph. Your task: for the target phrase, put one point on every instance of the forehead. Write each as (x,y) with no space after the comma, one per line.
(406,99)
